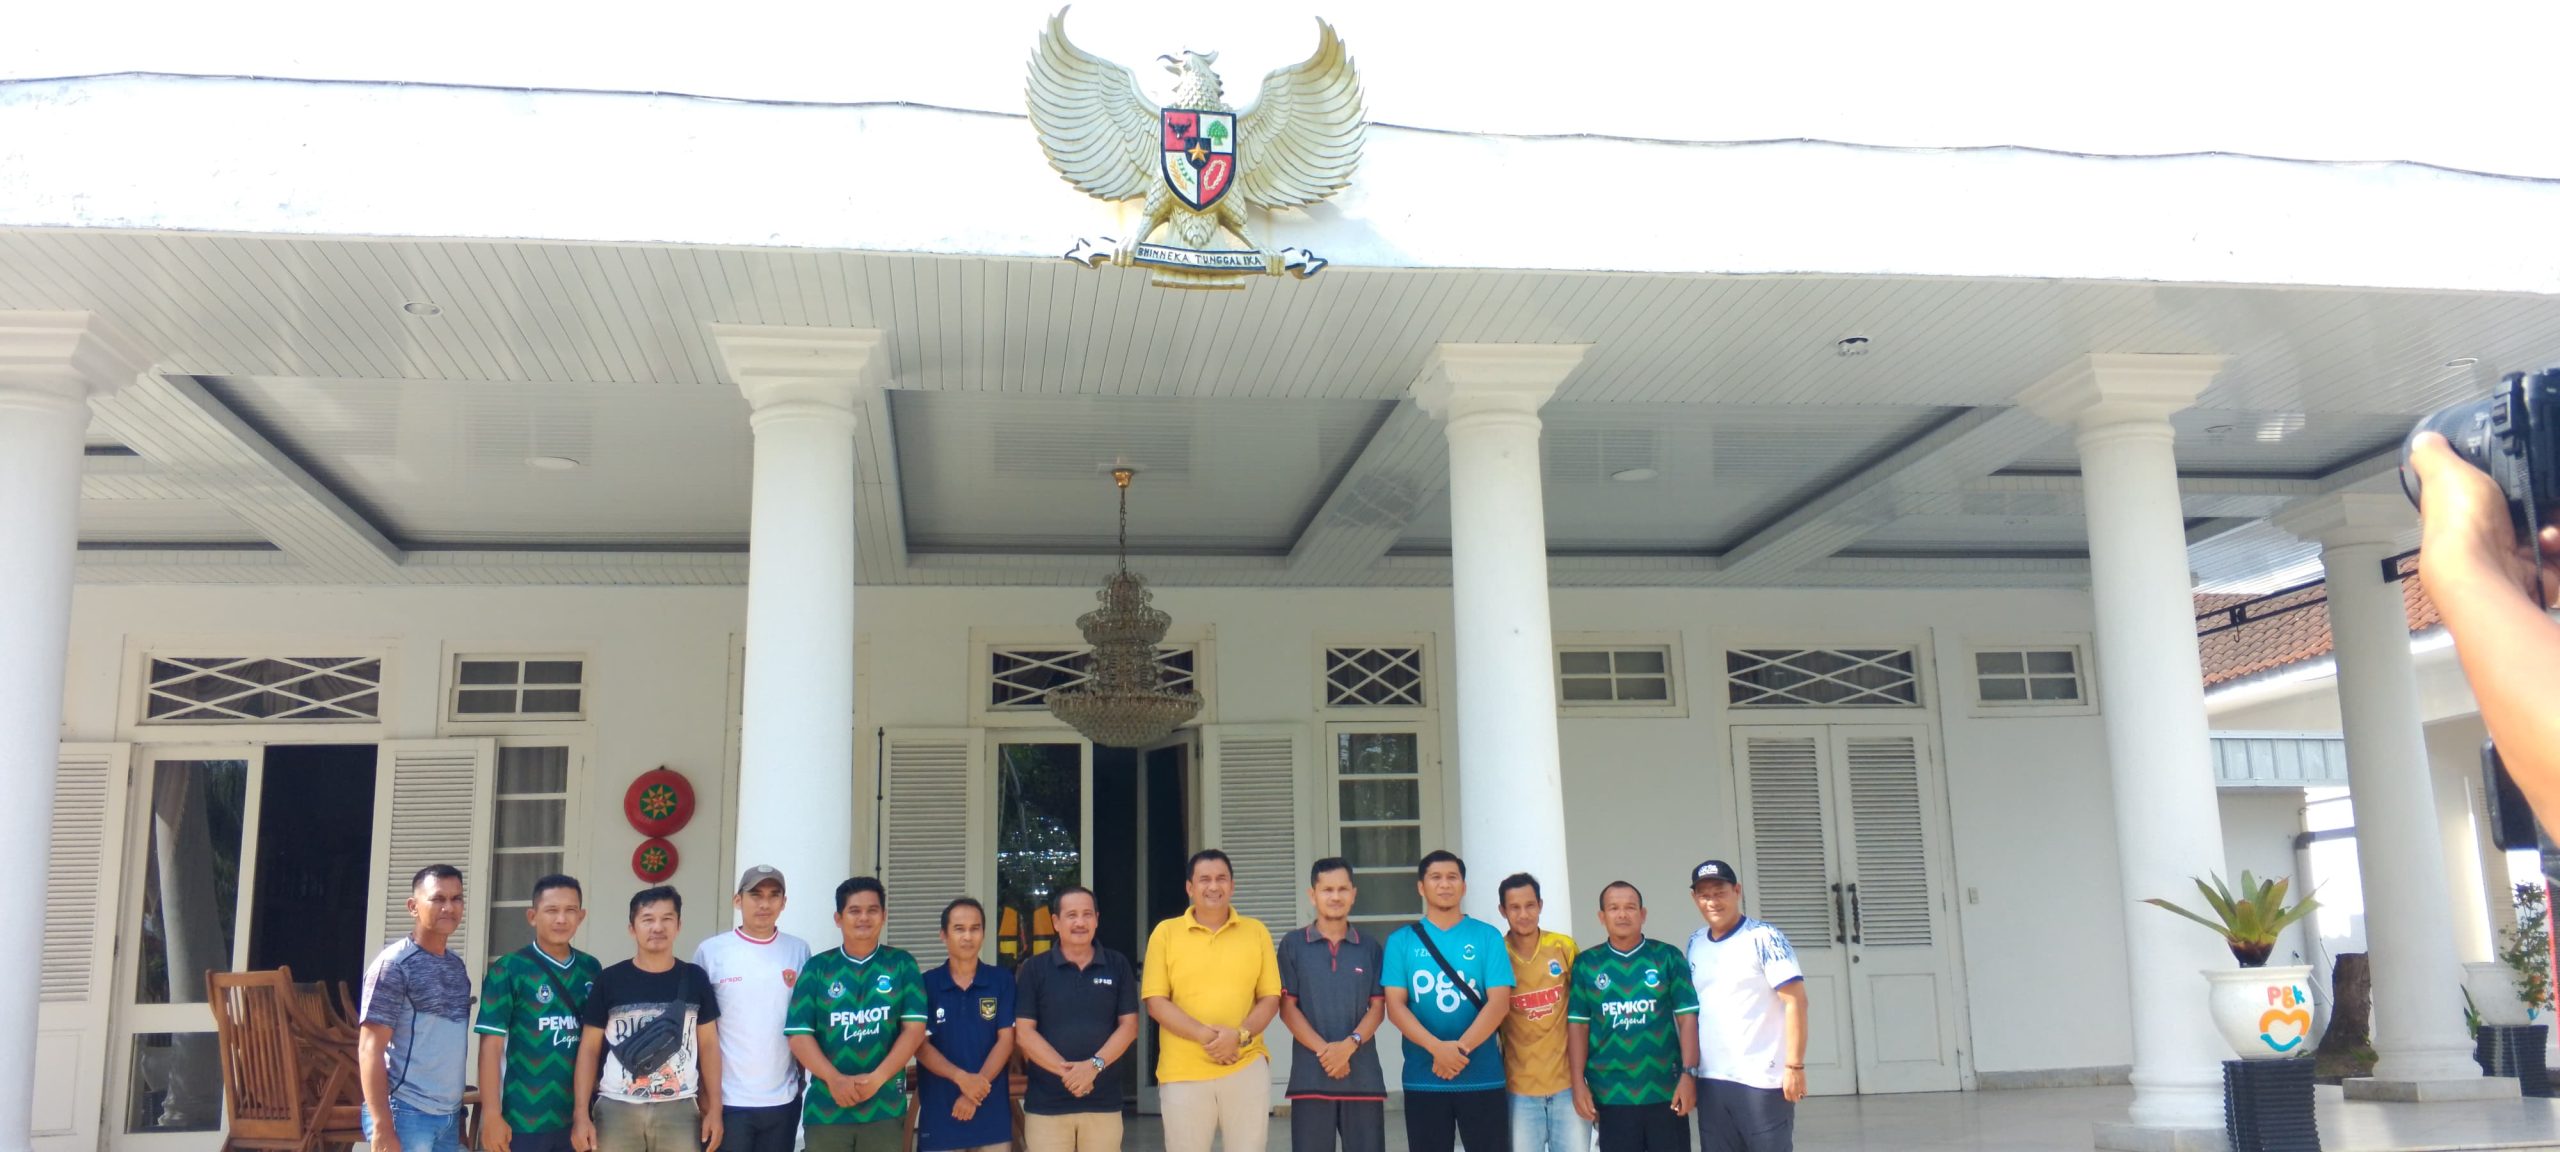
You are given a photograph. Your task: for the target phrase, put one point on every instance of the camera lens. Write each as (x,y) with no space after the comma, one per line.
(2465,426)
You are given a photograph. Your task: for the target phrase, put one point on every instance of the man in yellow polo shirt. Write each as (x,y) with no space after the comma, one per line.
(1212,984)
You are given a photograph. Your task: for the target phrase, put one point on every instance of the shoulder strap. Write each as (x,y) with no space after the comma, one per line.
(1422,930)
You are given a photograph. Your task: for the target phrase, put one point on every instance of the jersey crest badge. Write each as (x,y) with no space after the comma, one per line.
(542,994)
(986,1007)
(1652,978)
(1602,981)
(1467,953)
(1555,967)
(835,991)
(884,983)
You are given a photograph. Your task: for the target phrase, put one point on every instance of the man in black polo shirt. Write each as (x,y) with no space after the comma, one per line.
(1332,1003)
(1076,1014)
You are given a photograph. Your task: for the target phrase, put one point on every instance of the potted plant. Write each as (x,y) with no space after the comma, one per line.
(2265,1012)
(2515,989)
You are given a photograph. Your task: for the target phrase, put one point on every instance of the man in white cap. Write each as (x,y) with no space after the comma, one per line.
(1751,1021)
(752,969)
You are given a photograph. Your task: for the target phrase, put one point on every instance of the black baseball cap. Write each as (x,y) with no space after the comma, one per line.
(1714,870)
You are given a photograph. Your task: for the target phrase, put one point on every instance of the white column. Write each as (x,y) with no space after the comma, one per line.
(805,388)
(1510,782)
(2168,822)
(2421,1049)
(50,364)
(2453,761)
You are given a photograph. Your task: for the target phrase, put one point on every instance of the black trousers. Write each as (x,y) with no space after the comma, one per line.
(1433,1119)
(1319,1124)
(1739,1118)
(774,1128)
(1642,1128)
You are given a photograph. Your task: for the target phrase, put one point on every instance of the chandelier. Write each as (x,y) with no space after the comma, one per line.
(1125,703)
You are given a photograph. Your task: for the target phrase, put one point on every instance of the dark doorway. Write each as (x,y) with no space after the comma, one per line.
(1115,851)
(315,862)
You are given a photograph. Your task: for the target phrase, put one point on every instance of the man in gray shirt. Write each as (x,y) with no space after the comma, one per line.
(1331,1002)
(416,1027)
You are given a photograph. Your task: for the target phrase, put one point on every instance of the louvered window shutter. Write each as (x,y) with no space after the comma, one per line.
(431,806)
(1255,805)
(1786,832)
(934,843)
(1888,834)
(82,889)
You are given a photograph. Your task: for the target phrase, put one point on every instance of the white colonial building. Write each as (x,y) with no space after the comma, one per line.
(401,454)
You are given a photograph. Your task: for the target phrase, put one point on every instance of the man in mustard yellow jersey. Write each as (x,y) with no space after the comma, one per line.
(1533,1037)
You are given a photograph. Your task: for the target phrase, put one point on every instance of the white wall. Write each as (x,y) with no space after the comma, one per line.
(2258,827)
(2034,881)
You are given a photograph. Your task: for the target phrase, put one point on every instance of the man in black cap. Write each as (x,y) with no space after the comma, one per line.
(1751,1021)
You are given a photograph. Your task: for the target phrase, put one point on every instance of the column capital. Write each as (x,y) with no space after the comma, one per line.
(2347,519)
(1465,379)
(66,356)
(778,364)
(2103,388)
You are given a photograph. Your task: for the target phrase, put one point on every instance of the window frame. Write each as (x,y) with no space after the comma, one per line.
(1923,673)
(573,823)
(485,723)
(1674,667)
(1428,777)
(1426,653)
(984,643)
(134,691)
(2083,651)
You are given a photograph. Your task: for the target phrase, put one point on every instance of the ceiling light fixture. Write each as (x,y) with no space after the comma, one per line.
(552,463)
(1635,475)
(2462,362)
(1124,703)
(423,308)
(1852,346)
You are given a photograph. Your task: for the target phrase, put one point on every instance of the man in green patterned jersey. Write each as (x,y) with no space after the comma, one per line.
(528,1023)
(1629,1025)
(856,1018)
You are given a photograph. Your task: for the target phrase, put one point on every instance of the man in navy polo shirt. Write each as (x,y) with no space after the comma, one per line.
(968,1038)
(1331,1001)
(1077,1016)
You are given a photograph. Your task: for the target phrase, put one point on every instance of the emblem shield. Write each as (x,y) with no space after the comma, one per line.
(1199,155)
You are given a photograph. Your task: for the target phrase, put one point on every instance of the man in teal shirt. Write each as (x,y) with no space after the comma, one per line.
(1448,980)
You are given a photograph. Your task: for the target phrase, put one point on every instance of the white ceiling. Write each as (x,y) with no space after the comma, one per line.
(1254,412)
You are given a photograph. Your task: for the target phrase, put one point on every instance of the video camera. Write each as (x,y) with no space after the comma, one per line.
(2513,434)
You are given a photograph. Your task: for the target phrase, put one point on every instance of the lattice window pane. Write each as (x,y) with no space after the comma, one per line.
(1020,679)
(236,689)
(1373,678)
(2028,676)
(1823,677)
(1378,782)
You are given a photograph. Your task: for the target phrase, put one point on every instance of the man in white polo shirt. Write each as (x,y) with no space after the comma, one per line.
(1751,1021)
(752,970)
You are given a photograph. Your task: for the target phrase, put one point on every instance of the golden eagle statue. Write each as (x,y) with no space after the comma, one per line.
(1198,161)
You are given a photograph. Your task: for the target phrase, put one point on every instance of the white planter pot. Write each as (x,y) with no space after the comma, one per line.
(2266,1013)
(2493,994)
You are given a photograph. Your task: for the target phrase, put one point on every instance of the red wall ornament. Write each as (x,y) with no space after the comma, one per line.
(654,860)
(659,803)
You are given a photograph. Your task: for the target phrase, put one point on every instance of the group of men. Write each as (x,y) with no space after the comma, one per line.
(1513,1042)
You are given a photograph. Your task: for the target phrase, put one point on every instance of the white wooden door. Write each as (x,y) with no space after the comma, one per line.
(1845,850)
(933,845)
(83,869)
(1254,807)
(190,837)
(1902,978)
(431,805)
(1790,878)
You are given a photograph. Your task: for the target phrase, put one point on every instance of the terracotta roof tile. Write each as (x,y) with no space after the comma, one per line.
(2282,641)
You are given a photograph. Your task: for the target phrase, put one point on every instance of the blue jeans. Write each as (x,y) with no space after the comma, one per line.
(420,1131)
(1546,1124)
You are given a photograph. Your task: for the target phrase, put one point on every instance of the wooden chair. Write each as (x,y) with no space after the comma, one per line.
(281,1090)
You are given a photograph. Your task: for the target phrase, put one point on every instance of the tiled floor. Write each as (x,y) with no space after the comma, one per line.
(2048,1119)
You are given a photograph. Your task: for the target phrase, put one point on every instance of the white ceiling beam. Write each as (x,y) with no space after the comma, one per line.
(1964,447)
(174,423)
(1404,465)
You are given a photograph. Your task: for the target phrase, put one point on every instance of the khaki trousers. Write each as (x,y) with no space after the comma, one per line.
(1238,1103)
(1071,1132)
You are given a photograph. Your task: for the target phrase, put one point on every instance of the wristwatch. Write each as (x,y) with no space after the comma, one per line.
(1356,1038)
(1099,1066)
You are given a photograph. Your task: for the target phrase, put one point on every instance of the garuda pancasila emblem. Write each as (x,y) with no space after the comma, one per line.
(1198,161)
